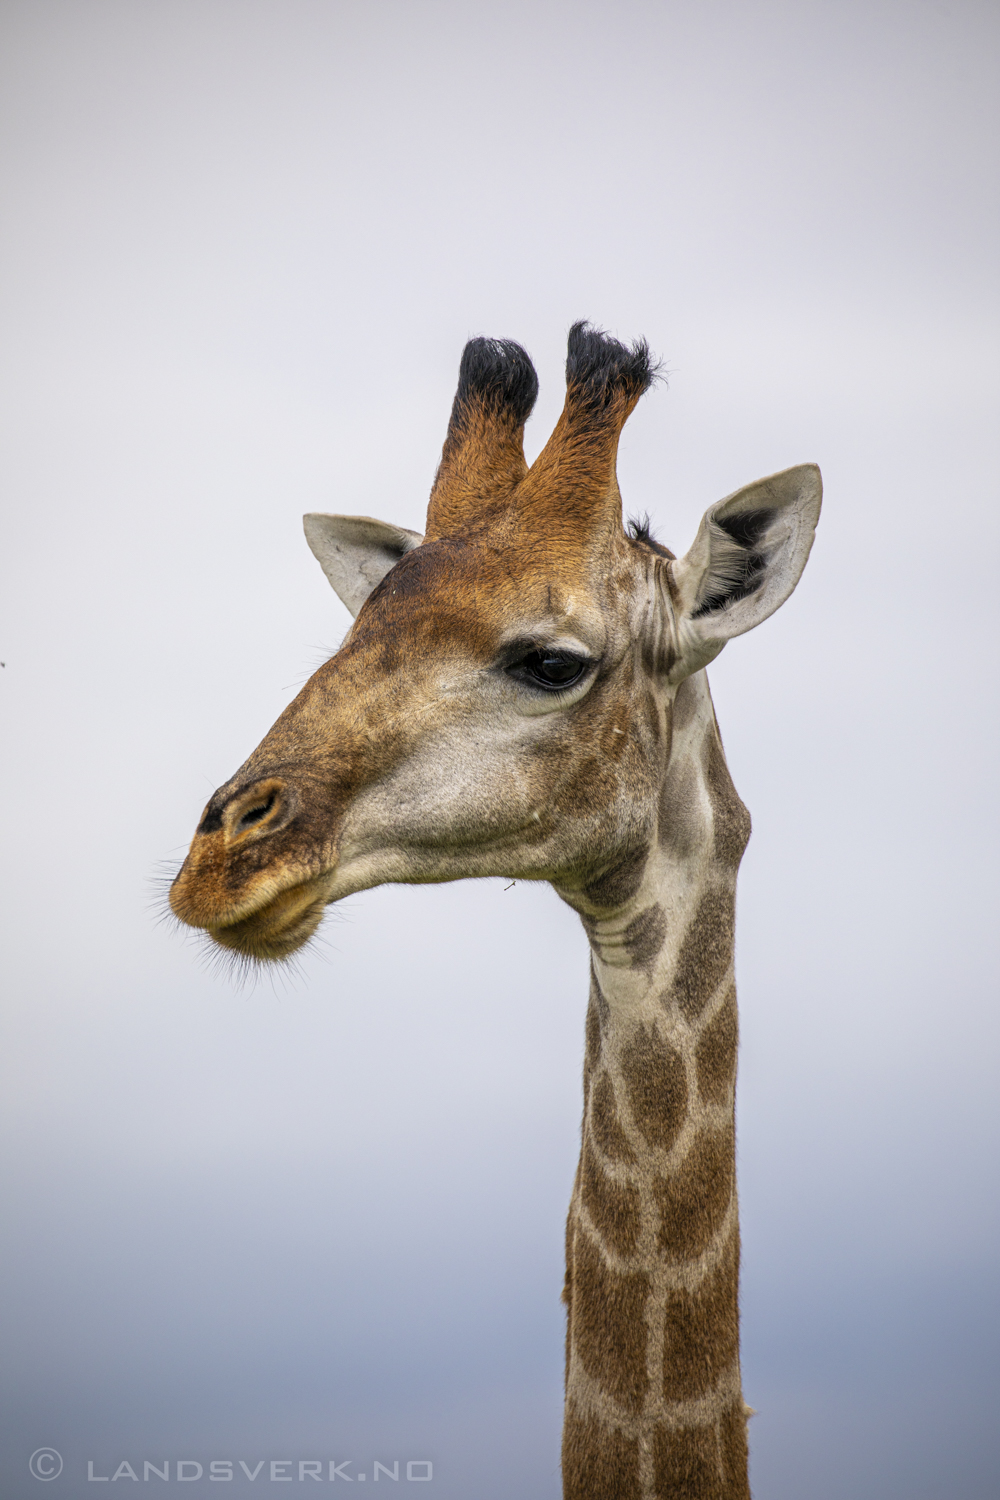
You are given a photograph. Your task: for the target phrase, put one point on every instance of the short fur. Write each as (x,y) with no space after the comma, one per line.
(483,456)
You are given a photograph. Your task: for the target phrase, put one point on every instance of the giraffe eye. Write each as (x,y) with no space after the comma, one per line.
(550,669)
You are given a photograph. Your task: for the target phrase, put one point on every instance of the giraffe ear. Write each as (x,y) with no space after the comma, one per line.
(747,558)
(356,552)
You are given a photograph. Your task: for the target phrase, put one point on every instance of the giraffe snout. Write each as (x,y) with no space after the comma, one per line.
(250,895)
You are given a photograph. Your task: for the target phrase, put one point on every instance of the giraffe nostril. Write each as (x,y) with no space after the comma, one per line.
(264,808)
(257,813)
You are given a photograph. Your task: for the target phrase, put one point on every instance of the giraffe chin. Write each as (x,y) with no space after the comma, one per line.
(277,930)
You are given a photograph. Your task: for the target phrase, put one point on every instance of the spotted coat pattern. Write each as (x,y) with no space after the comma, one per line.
(654,1401)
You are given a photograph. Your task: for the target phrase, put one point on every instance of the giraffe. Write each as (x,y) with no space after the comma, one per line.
(523,693)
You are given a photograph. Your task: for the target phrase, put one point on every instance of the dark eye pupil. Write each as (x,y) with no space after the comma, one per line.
(552,669)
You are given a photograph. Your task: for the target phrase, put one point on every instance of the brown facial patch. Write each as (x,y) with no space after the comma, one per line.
(644,937)
(715,1057)
(706,953)
(609,1324)
(701,1330)
(657,1088)
(605,1124)
(418,607)
(616,733)
(598,1462)
(730,818)
(693,1200)
(592,785)
(733,1435)
(613,1207)
(682,824)
(686,1464)
(617,886)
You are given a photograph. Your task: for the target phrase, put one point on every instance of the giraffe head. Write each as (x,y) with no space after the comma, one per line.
(501,705)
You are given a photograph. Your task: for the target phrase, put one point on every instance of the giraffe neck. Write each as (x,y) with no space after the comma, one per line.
(654,1404)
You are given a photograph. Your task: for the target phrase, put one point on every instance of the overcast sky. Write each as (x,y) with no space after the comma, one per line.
(243,246)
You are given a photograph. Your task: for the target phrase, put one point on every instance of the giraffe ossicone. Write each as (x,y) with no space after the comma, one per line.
(522,693)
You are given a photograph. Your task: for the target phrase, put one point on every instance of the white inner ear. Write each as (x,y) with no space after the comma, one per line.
(356,552)
(747,558)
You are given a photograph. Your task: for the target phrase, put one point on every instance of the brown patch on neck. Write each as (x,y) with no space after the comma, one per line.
(654,718)
(614,1208)
(706,953)
(654,1077)
(733,1438)
(593,1030)
(644,937)
(693,1200)
(701,1330)
(715,1055)
(703,1463)
(609,1324)
(598,1462)
(619,884)
(593,1048)
(605,1123)
(687,1464)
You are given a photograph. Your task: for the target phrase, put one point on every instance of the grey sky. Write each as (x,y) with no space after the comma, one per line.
(244,244)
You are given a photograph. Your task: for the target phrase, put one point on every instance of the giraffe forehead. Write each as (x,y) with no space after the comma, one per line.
(452,596)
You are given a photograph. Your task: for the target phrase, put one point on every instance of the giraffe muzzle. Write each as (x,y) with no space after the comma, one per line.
(241,883)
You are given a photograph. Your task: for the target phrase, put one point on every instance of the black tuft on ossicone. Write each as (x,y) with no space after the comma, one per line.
(498,374)
(599,368)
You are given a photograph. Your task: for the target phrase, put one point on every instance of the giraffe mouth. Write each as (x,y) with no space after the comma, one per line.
(279,928)
(274,930)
